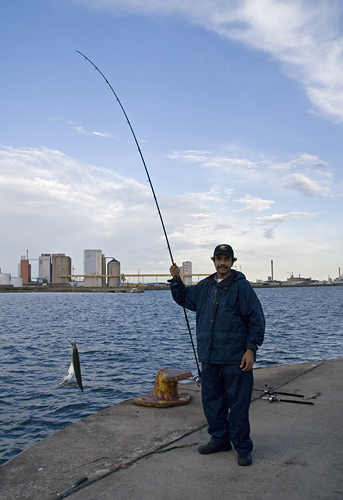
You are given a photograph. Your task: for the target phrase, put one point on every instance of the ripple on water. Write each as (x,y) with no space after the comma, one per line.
(123,339)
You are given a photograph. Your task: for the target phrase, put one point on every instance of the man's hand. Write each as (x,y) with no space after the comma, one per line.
(247,360)
(174,271)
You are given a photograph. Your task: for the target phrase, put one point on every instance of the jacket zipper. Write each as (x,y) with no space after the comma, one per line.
(217,297)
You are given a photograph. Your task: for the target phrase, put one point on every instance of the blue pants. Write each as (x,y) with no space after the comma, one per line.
(226,395)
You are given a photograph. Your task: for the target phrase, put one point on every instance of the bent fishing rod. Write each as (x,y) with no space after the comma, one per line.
(155,198)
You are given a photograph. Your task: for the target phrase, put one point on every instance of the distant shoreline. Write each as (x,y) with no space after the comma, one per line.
(145,288)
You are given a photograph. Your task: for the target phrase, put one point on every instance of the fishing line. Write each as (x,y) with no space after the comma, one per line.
(154,195)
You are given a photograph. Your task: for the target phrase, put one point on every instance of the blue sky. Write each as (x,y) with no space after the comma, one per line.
(238,109)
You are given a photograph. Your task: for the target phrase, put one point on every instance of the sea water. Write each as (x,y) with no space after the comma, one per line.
(123,339)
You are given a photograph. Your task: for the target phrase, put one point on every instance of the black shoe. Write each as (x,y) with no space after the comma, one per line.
(206,449)
(244,459)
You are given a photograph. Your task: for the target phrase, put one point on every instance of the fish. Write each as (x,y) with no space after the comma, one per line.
(74,369)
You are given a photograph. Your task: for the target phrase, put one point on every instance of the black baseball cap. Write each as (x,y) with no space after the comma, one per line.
(225,249)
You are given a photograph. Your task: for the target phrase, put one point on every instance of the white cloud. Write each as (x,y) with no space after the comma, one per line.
(104,134)
(278,218)
(253,204)
(302,184)
(215,194)
(305,36)
(302,161)
(54,203)
(230,163)
(107,135)
(269,234)
(303,173)
(205,232)
(240,167)
(189,156)
(51,199)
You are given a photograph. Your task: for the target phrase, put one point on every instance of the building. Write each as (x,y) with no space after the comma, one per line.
(16,282)
(186,269)
(299,279)
(25,270)
(52,268)
(94,263)
(113,268)
(5,280)
(44,267)
(340,277)
(60,266)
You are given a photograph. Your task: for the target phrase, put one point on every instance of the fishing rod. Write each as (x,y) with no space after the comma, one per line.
(271,395)
(156,202)
(270,391)
(273,398)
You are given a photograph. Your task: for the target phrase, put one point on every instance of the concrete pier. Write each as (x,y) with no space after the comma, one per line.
(130,452)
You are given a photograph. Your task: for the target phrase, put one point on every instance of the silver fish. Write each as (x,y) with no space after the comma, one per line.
(74,369)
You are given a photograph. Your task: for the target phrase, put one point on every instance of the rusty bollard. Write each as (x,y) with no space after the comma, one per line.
(165,392)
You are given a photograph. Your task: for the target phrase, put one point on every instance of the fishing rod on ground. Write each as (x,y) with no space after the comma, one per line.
(271,392)
(198,378)
(271,396)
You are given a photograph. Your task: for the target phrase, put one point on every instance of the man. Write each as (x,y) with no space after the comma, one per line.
(230,327)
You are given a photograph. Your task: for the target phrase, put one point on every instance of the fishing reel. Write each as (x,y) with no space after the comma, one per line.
(197,379)
(270,395)
(271,392)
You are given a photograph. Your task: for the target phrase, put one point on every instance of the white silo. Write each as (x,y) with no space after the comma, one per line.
(44,268)
(113,267)
(17,282)
(93,267)
(187,269)
(5,279)
(60,266)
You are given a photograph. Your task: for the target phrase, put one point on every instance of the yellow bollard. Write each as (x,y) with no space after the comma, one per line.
(165,393)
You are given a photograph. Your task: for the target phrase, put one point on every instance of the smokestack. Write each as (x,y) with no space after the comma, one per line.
(272,269)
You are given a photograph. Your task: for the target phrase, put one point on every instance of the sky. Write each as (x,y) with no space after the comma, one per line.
(238,110)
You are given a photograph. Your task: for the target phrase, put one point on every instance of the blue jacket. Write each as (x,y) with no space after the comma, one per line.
(229,316)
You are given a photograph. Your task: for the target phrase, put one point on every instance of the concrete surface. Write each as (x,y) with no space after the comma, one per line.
(130,452)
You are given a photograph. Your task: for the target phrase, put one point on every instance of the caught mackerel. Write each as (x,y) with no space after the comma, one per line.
(74,369)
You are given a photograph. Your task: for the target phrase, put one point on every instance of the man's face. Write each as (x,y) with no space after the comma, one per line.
(223,265)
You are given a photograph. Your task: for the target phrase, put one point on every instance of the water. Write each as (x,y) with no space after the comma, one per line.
(123,339)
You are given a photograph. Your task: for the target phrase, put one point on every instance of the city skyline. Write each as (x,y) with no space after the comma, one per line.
(186,267)
(238,110)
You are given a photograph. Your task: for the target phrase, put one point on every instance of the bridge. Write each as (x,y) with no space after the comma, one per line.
(125,278)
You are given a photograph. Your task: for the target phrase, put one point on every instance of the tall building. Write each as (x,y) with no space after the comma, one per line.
(25,270)
(93,265)
(103,270)
(60,266)
(52,268)
(44,267)
(113,267)
(187,269)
